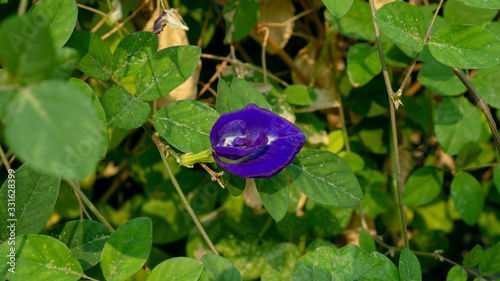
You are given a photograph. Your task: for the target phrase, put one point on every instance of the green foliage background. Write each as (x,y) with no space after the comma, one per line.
(83,115)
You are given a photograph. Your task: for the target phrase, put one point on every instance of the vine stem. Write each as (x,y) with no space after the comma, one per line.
(163,152)
(436,254)
(483,106)
(395,151)
(89,204)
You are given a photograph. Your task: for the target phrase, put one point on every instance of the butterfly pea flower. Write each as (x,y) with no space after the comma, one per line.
(254,142)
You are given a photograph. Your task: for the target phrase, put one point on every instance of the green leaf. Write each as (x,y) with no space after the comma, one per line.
(39,257)
(132,52)
(240,16)
(84,238)
(26,50)
(363,64)
(186,125)
(456,273)
(491,4)
(473,257)
(440,79)
(279,262)
(274,194)
(127,249)
(468,197)
(96,60)
(65,63)
(325,177)
(457,123)
(241,94)
(165,71)
(300,95)
(464,11)
(488,86)
(218,268)
(337,217)
(178,269)
(32,195)
(403,23)
(235,184)
(409,266)
(467,155)
(373,134)
(356,23)
(222,102)
(5,97)
(61,15)
(369,100)
(63,131)
(465,46)
(99,111)
(348,263)
(336,142)
(338,7)
(490,261)
(366,242)
(423,186)
(246,255)
(171,221)
(123,110)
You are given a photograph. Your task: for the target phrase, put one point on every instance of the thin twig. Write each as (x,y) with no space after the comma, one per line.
(80,204)
(395,148)
(321,56)
(125,21)
(21,9)
(427,34)
(92,10)
(204,27)
(483,106)
(99,24)
(216,75)
(263,53)
(288,60)
(91,206)
(237,62)
(4,159)
(294,18)
(214,176)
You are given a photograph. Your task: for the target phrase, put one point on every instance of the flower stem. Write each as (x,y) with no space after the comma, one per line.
(395,148)
(162,150)
(90,205)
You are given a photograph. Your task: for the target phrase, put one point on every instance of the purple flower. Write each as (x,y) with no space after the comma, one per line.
(254,142)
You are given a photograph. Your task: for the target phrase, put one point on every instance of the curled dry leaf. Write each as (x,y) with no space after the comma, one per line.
(169,37)
(275,11)
(251,196)
(306,60)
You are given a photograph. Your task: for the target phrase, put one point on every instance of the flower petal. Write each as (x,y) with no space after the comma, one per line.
(275,142)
